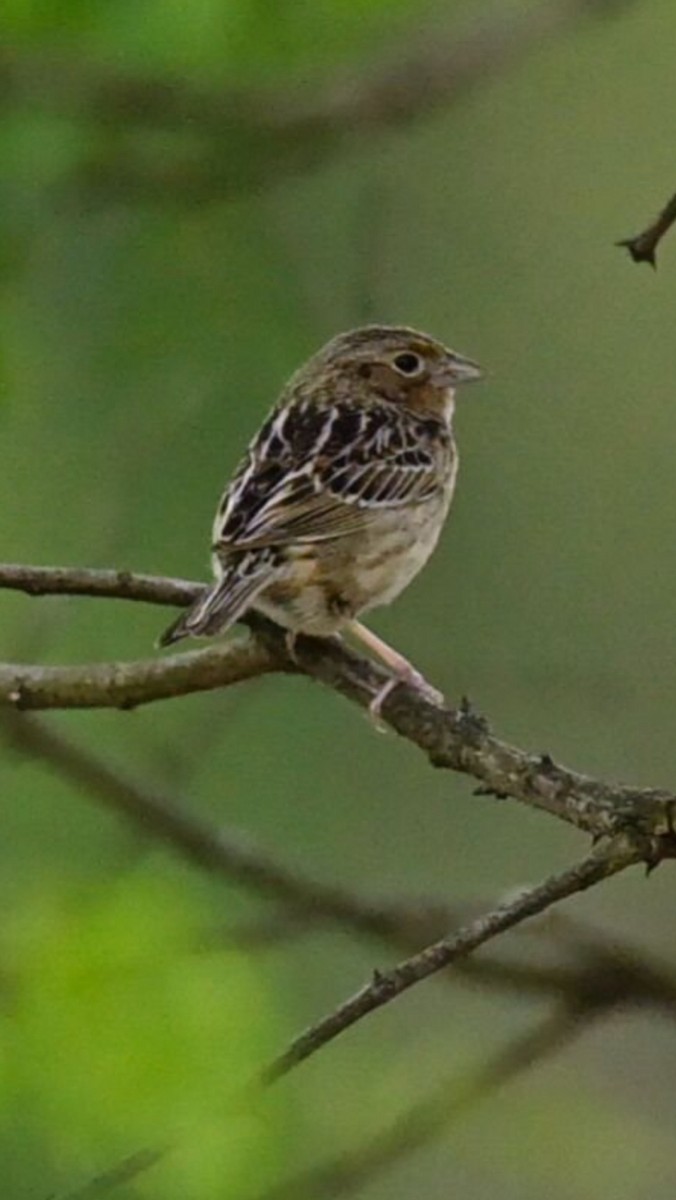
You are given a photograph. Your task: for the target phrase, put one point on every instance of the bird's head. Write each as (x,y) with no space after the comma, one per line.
(394,363)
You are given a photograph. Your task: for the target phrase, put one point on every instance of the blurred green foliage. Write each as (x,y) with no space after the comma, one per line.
(117,1026)
(241,39)
(143,337)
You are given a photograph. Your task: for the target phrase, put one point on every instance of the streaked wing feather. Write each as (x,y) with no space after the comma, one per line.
(320,486)
(310,519)
(223,603)
(226,602)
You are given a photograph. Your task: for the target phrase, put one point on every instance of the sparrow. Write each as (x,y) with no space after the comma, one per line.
(341,496)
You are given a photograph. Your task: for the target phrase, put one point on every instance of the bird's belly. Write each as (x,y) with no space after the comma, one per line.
(327,584)
(392,557)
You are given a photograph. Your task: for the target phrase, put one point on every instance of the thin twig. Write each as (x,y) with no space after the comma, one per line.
(387,986)
(123,1172)
(402,924)
(421,1124)
(643,247)
(599,987)
(430,1118)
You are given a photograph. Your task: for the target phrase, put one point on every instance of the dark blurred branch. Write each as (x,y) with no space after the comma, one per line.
(460,740)
(422,1123)
(604,861)
(600,988)
(455,739)
(643,246)
(635,980)
(221,851)
(402,924)
(123,1172)
(253,137)
(600,985)
(430,1118)
(604,983)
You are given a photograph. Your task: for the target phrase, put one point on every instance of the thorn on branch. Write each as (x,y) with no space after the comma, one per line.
(617,856)
(458,740)
(643,247)
(125,580)
(472,724)
(383,985)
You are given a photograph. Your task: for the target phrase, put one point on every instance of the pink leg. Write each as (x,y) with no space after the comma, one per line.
(402,670)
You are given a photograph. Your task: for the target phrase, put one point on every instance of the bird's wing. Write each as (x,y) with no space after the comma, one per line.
(223,603)
(321,472)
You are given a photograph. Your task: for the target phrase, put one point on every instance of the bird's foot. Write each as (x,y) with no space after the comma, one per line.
(414,679)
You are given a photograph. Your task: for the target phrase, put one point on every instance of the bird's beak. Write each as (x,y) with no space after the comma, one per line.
(457,369)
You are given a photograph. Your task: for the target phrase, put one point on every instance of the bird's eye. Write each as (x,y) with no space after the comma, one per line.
(408,363)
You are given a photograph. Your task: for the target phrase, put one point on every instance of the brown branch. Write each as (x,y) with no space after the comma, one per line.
(104,584)
(643,247)
(284,129)
(385,987)
(128,685)
(457,740)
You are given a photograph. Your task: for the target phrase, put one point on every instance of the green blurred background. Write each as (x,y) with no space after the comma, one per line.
(160,280)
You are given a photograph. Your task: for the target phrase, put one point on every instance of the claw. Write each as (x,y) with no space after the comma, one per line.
(375,707)
(415,680)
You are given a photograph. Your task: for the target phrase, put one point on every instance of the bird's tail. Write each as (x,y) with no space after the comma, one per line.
(218,607)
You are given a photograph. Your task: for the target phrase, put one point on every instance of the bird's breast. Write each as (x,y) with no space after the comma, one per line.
(326,584)
(394,551)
